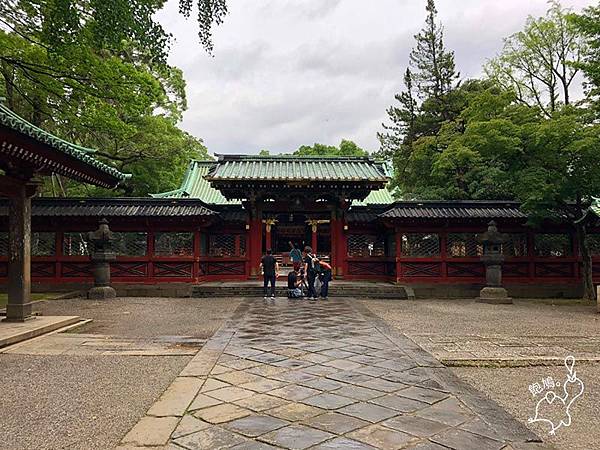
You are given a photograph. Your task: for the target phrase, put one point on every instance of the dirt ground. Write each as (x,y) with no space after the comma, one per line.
(510,386)
(146,317)
(84,402)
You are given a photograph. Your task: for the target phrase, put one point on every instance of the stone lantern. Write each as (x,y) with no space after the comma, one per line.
(102,255)
(492,257)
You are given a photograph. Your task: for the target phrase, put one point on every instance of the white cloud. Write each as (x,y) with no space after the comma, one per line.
(291,72)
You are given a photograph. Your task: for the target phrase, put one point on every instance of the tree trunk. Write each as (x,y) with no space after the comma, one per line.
(586,257)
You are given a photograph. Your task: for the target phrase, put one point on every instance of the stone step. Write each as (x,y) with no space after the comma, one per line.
(361,291)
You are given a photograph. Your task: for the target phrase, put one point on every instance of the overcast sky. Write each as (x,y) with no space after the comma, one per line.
(291,72)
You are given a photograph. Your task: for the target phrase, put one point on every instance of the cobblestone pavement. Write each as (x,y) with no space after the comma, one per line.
(326,375)
(502,350)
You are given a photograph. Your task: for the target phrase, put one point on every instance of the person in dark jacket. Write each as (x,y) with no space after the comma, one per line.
(325,277)
(270,271)
(311,273)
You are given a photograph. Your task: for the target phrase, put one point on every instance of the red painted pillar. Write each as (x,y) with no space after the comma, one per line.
(150,246)
(314,238)
(268,236)
(255,244)
(531,253)
(398,254)
(338,250)
(333,235)
(443,243)
(196,267)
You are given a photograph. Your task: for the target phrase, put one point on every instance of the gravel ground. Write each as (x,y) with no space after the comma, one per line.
(524,318)
(146,317)
(53,402)
(76,402)
(510,386)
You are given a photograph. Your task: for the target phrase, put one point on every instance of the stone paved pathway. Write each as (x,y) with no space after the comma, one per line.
(327,375)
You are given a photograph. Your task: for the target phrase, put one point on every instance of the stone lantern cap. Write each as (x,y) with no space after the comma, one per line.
(102,238)
(492,235)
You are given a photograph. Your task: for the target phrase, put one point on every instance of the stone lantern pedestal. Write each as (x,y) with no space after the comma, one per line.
(492,257)
(102,256)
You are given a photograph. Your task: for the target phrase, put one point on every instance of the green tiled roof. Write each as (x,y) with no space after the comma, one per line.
(15,122)
(291,168)
(195,186)
(378,197)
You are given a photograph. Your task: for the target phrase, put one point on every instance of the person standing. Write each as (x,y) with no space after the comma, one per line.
(269,269)
(295,256)
(325,277)
(311,273)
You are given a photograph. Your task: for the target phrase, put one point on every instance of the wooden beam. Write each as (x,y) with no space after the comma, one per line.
(12,186)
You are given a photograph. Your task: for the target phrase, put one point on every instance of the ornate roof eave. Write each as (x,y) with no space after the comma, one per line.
(25,147)
(116,207)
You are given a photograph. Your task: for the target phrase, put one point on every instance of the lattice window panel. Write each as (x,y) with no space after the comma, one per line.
(563,270)
(43,244)
(173,270)
(3,243)
(174,244)
(43,269)
(221,245)
(242,245)
(463,244)
(225,268)
(365,245)
(594,244)
(552,245)
(75,244)
(420,245)
(367,268)
(131,243)
(421,269)
(516,245)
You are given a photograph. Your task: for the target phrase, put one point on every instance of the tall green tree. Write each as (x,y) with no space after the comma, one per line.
(434,69)
(559,175)
(96,75)
(540,63)
(588,24)
(402,131)
(428,101)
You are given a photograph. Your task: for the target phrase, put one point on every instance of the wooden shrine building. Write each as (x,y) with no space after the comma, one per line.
(27,153)
(228,212)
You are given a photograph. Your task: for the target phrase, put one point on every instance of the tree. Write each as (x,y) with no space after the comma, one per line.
(588,24)
(346,148)
(428,101)
(435,72)
(58,24)
(559,176)
(112,95)
(402,132)
(540,63)
(413,147)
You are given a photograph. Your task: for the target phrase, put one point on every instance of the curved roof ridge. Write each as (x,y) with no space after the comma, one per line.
(285,157)
(12,120)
